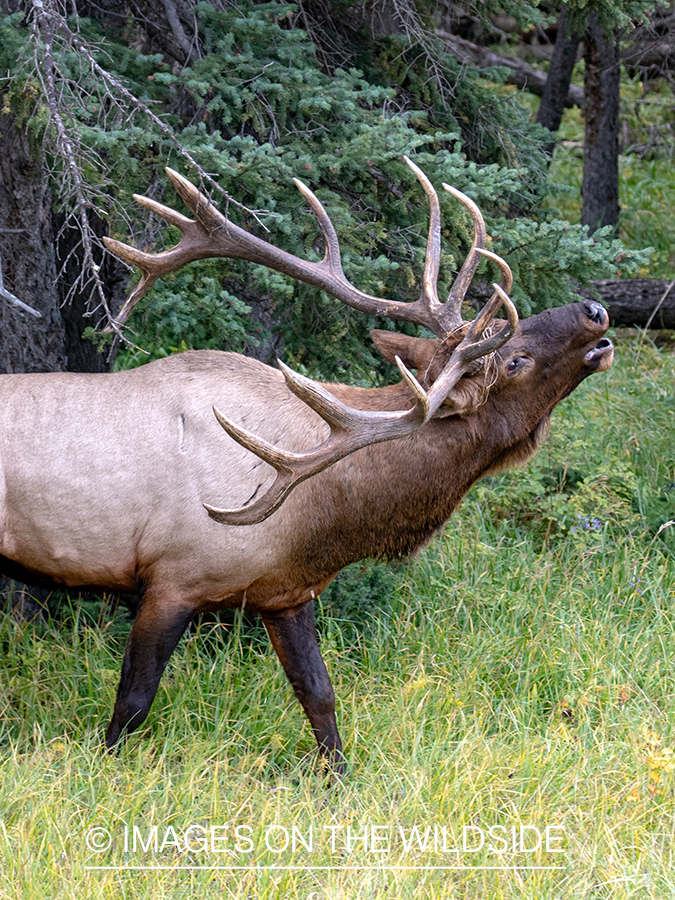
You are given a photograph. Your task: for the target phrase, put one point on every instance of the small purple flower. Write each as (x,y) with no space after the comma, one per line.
(587,523)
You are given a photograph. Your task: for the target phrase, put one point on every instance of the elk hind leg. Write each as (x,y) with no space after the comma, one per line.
(293,636)
(155,633)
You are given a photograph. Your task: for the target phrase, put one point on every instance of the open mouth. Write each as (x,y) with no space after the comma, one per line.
(600,357)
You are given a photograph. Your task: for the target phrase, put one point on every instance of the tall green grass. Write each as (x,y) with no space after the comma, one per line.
(521,671)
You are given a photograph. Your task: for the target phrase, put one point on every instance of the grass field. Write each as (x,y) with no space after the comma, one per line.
(518,674)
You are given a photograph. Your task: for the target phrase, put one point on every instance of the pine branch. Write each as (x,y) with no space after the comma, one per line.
(142,107)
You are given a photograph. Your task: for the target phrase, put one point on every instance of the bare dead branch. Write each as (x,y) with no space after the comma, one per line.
(8,295)
(42,28)
(521,74)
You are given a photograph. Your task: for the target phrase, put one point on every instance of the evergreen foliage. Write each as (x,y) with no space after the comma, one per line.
(612,15)
(260,108)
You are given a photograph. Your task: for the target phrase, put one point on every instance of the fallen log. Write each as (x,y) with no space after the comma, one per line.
(641,302)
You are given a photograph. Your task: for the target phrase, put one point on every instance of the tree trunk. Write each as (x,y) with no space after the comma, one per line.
(28,258)
(600,184)
(629,301)
(82,355)
(31,247)
(556,89)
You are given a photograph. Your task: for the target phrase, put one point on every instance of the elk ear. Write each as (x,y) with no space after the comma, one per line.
(415,353)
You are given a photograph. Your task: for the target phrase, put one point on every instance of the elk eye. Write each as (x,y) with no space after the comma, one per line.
(513,366)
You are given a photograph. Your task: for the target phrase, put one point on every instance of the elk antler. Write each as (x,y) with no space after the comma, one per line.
(213,235)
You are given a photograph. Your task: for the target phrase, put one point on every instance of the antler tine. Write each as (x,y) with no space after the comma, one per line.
(332,258)
(490,344)
(507,275)
(423,311)
(350,430)
(152,266)
(195,242)
(500,297)
(452,309)
(205,212)
(470,349)
(429,297)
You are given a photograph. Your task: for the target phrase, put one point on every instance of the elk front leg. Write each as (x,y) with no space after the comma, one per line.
(293,636)
(153,638)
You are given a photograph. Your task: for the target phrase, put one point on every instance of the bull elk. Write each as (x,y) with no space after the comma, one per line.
(127,481)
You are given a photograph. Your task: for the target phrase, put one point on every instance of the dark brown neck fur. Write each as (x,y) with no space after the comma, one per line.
(388,499)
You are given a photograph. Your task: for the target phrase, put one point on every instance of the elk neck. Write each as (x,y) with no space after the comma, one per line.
(388,499)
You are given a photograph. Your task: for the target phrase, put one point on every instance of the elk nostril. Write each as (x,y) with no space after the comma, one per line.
(603,344)
(595,311)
